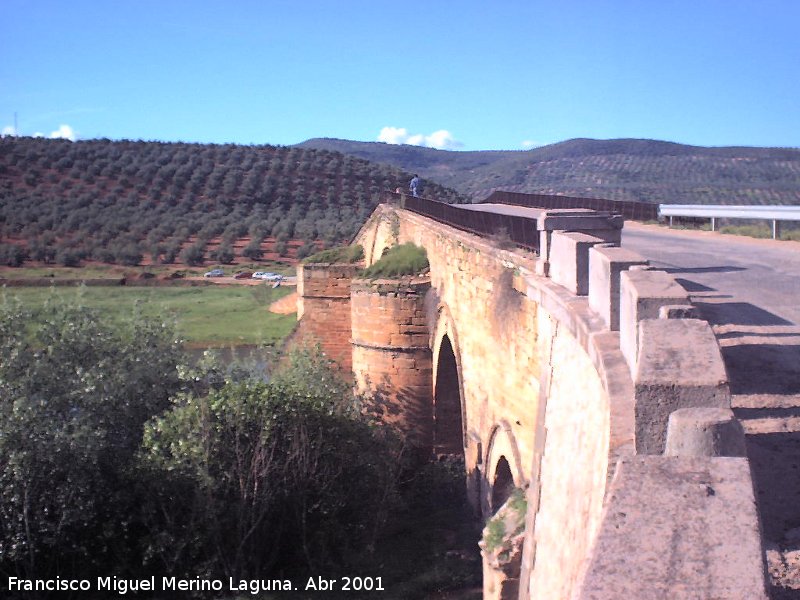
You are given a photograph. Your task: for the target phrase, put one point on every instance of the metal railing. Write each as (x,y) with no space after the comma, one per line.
(776,214)
(629,209)
(517,230)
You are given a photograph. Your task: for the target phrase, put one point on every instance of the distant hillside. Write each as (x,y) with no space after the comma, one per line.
(115,201)
(625,169)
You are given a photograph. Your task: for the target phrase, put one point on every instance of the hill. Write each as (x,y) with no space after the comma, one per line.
(115,201)
(623,169)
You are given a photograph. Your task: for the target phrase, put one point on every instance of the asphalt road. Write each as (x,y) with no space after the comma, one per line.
(761,278)
(749,290)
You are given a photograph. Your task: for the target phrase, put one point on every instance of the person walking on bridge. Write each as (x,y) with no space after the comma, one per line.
(414,185)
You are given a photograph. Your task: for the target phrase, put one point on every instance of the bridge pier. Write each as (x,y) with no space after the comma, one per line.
(391,354)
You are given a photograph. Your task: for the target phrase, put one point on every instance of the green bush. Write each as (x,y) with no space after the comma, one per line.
(275,475)
(405,259)
(342,254)
(75,393)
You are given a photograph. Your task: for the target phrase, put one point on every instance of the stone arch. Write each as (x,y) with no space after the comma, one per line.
(449,417)
(384,237)
(503,469)
(502,486)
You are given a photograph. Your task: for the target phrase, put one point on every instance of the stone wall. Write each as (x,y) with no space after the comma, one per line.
(572,477)
(323,308)
(391,353)
(541,385)
(492,328)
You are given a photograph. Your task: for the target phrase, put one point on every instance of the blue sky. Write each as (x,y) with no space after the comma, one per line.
(470,75)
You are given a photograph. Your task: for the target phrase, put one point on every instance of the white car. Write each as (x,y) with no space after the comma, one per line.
(267,276)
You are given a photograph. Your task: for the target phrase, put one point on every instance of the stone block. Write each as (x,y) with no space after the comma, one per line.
(578,219)
(704,432)
(678,528)
(605,265)
(642,294)
(679,366)
(569,260)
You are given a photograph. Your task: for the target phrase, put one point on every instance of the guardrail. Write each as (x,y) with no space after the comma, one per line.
(516,229)
(629,209)
(776,214)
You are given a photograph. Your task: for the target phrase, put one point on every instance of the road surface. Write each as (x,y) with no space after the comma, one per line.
(749,290)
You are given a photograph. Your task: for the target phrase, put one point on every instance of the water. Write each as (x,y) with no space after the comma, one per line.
(258,358)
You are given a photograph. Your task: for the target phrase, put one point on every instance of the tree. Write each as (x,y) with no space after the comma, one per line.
(307,249)
(253,250)
(11,255)
(195,254)
(129,254)
(75,393)
(223,254)
(276,474)
(68,258)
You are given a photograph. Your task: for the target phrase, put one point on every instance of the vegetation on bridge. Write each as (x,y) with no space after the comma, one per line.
(399,260)
(341,254)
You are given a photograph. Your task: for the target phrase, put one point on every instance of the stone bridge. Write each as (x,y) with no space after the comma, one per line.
(580,375)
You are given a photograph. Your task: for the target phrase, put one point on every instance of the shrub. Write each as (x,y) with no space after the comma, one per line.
(405,259)
(75,393)
(342,254)
(276,475)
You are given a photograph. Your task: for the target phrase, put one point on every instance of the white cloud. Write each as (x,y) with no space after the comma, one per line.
(7,130)
(393,135)
(528,144)
(65,132)
(441,139)
(38,134)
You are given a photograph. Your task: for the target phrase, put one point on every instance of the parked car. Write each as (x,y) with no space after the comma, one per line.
(215,273)
(243,275)
(267,276)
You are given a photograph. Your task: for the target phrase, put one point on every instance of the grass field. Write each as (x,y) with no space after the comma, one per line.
(102,271)
(206,316)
